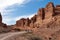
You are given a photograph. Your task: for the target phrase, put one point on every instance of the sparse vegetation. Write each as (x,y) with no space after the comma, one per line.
(27,36)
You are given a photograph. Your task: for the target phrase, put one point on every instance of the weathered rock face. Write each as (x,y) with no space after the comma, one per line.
(45,23)
(57,9)
(0,19)
(27,22)
(41,13)
(33,19)
(49,10)
(44,15)
(3,26)
(21,22)
(40,16)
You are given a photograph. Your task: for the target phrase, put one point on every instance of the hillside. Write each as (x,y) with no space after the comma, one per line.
(46,23)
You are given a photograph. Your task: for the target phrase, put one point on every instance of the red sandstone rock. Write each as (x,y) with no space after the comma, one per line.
(57,9)
(21,22)
(49,10)
(41,13)
(33,19)
(57,5)
(3,26)
(27,22)
(0,18)
(46,27)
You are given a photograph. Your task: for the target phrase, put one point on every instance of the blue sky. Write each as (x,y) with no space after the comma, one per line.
(13,10)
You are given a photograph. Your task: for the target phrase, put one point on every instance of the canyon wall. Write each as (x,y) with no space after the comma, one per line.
(45,23)
(41,17)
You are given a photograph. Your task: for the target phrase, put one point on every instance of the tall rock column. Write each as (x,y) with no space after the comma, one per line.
(49,10)
(0,18)
(40,16)
(27,22)
(21,22)
(33,20)
(57,9)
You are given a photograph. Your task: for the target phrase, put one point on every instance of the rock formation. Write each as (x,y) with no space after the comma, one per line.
(1,24)
(21,22)
(27,22)
(43,14)
(45,23)
(0,19)
(3,27)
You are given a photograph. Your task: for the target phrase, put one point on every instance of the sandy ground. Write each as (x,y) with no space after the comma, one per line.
(8,36)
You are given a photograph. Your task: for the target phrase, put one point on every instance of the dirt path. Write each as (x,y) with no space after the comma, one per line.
(8,35)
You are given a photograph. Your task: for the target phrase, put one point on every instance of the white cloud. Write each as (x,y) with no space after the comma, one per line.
(6,13)
(9,20)
(25,16)
(7,3)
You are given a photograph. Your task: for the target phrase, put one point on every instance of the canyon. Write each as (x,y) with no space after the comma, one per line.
(45,23)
